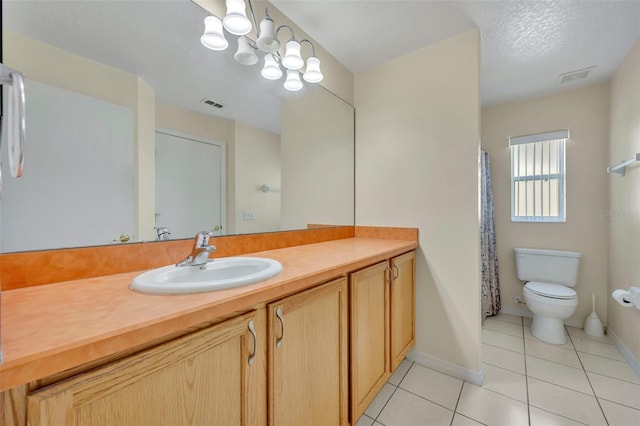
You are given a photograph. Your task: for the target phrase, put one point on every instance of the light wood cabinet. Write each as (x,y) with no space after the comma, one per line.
(369,338)
(214,376)
(308,357)
(402,307)
(382,325)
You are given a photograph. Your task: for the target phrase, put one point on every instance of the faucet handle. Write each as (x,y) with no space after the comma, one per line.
(202,238)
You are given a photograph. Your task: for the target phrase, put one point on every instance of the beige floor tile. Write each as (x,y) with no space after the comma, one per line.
(406,409)
(377,424)
(609,367)
(504,358)
(491,408)
(527,321)
(615,390)
(364,420)
(508,318)
(598,348)
(379,401)
(565,402)
(505,382)
(460,420)
(578,333)
(398,375)
(432,385)
(503,327)
(530,336)
(552,353)
(619,415)
(558,374)
(544,418)
(502,340)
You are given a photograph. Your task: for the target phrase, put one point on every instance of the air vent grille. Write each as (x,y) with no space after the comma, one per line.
(211,103)
(568,77)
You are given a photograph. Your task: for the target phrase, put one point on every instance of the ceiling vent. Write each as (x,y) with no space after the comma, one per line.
(571,76)
(211,103)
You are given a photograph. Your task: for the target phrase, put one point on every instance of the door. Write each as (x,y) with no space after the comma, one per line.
(190,185)
(205,378)
(403,330)
(369,364)
(308,357)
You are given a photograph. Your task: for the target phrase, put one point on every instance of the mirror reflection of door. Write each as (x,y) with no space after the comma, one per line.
(190,185)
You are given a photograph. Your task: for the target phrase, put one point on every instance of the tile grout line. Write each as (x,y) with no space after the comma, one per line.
(392,393)
(588,379)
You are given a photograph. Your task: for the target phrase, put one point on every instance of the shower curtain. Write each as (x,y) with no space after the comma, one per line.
(489,257)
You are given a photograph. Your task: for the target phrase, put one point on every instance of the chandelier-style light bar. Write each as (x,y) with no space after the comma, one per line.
(237,23)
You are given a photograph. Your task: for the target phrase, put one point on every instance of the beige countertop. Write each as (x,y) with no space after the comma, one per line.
(51,328)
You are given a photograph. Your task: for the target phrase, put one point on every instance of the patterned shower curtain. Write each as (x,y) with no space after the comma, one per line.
(489,256)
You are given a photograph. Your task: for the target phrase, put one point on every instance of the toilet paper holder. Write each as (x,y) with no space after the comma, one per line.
(627,298)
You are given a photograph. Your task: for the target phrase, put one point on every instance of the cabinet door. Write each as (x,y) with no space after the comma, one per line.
(369,364)
(202,378)
(402,307)
(308,357)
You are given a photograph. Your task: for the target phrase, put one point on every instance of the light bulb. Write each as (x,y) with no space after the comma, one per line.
(236,21)
(271,69)
(245,54)
(268,40)
(213,37)
(312,74)
(292,59)
(293,82)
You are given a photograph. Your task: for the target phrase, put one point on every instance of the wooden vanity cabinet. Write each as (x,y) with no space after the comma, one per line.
(214,376)
(402,307)
(308,356)
(382,325)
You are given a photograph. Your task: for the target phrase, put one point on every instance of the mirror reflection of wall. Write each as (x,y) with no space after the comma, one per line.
(296,158)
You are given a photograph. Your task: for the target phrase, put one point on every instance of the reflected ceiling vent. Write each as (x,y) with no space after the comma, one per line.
(211,103)
(576,75)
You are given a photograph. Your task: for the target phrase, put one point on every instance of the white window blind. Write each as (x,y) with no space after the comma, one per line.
(538,184)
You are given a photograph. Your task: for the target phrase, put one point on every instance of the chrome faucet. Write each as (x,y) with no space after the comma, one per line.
(200,252)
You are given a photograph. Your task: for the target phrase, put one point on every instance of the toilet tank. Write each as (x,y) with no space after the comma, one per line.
(549,266)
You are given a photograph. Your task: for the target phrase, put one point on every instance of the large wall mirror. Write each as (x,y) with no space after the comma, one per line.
(121,141)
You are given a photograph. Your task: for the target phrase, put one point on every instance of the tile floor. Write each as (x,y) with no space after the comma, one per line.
(527,382)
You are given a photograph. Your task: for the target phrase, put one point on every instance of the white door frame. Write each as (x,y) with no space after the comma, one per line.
(223,169)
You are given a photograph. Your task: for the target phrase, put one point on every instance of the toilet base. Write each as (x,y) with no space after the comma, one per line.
(550,330)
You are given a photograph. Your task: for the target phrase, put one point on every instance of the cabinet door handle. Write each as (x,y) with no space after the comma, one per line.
(279,315)
(388,274)
(252,330)
(395,268)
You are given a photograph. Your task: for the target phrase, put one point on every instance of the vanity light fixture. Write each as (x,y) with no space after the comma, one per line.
(213,37)
(293,82)
(245,54)
(236,22)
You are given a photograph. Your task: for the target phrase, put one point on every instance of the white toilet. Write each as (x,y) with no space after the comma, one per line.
(549,274)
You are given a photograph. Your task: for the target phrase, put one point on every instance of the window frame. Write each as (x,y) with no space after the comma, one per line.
(561,136)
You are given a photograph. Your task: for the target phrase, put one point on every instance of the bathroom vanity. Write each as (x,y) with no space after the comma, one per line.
(310,346)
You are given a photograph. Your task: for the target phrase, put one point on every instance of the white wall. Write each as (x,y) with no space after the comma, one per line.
(624,199)
(257,154)
(317,160)
(417,137)
(585,112)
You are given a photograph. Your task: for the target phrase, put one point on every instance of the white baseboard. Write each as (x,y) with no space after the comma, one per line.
(475,377)
(633,362)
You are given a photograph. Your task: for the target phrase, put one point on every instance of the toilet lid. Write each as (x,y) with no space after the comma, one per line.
(555,291)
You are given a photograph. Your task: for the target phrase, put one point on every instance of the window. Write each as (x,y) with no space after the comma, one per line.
(538,177)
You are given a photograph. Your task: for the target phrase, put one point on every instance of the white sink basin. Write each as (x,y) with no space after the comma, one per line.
(220,274)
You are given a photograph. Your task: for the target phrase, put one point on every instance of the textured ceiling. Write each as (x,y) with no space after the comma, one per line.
(525,45)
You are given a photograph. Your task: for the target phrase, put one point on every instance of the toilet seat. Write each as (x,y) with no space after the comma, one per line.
(553,291)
